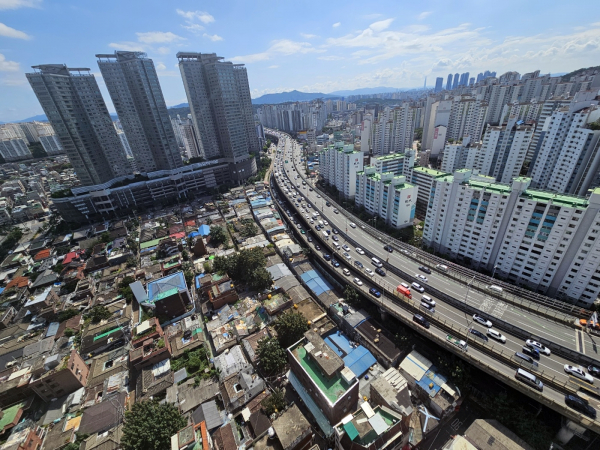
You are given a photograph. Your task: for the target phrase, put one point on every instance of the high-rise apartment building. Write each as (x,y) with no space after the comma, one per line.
(449,82)
(547,242)
(72,101)
(47,137)
(456,80)
(338,165)
(439,85)
(134,88)
(219,97)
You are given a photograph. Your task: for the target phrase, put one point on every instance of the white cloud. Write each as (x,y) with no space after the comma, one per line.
(128,46)
(194,27)
(213,37)
(158,37)
(161,66)
(308,36)
(163,50)
(192,16)
(381,25)
(15,4)
(273,67)
(424,15)
(337,24)
(8,66)
(283,47)
(7,31)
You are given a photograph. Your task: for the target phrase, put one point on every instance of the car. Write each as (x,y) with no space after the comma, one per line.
(302,231)
(326,257)
(482,320)
(496,335)
(427,299)
(418,287)
(388,248)
(580,405)
(345,247)
(335,238)
(423,278)
(405,252)
(358,264)
(540,347)
(579,373)
(417,318)
(336,211)
(479,334)
(334,231)
(325,223)
(335,263)
(317,247)
(310,189)
(526,358)
(380,271)
(347,255)
(425,269)
(594,370)
(369,272)
(360,251)
(358,282)
(327,204)
(318,196)
(374,292)
(533,352)
(405,285)
(352,225)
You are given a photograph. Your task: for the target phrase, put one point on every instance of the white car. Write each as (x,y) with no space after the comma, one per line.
(483,321)
(318,196)
(347,255)
(578,373)
(346,272)
(541,347)
(418,287)
(496,335)
(369,272)
(405,285)
(345,247)
(427,299)
(358,282)
(423,278)
(352,224)
(326,223)
(360,251)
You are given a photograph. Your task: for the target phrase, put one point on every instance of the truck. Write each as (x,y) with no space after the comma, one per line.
(458,342)
(404,291)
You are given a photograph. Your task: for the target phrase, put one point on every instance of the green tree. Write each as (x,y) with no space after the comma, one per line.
(261,279)
(207,266)
(351,296)
(66,314)
(290,327)
(99,313)
(58,268)
(274,402)
(125,290)
(249,230)
(105,237)
(218,235)
(149,426)
(271,355)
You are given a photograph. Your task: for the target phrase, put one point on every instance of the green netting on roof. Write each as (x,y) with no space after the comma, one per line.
(9,415)
(350,430)
(196,331)
(165,294)
(100,336)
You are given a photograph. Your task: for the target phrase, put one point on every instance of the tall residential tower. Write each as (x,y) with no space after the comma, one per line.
(135,91)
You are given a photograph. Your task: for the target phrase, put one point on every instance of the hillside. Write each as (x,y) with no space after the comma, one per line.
(579,72)
(291,96)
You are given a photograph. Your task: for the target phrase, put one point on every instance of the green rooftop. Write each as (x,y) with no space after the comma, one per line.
(557,199)
(390,156)
(333,388)
(9,414)
(165,294)
(148,244)
(492,187)
(430,172)
(100,336)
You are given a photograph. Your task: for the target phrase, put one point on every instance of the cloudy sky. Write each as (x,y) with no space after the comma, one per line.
(312,46)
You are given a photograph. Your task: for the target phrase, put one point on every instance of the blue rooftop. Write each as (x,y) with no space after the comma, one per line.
(157,289)
(432,381)
(356,357)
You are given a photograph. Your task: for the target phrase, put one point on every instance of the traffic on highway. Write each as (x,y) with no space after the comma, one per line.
(372,266)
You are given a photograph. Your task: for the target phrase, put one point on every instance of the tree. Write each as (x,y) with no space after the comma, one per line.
(272,357)
(218,235)
(149,426)
(274,402)
(105,237)
(290,328)
(207,266)
(351,296)
(99,313)
(66,314)
(249,230)
(261,279)
(58,268)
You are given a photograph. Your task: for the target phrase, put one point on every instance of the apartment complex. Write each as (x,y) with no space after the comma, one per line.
(219,97)
(534,238)
(338,165)
(135,91)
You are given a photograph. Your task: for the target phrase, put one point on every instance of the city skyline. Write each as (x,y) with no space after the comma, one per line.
(325,52)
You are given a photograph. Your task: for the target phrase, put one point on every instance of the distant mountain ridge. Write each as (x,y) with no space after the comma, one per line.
(291,96)
(367,91)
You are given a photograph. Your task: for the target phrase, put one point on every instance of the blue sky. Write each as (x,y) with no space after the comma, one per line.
(312,46)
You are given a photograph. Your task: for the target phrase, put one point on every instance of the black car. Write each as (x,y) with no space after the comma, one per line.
(594,371)
(479,334)
(380,271)
(533,352)
(580,405)
(375,292)
(425,269)
(334,231)
(358,264)
(334,263)
(417,318)
(327,204)
(529,359)
(317,247)
(326,257)
(309,239)
(335,238)
(388,248)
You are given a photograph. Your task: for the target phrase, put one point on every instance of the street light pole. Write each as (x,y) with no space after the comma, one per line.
(494,272)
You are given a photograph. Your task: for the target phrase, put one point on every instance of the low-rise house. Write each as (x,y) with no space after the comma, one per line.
(62,374)
(149,344)
(239,388)
(293,430)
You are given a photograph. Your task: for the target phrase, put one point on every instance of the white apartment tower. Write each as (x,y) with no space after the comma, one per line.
(134,88)
(338,165)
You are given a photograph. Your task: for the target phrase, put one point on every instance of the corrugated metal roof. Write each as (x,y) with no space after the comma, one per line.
(415,365)
(52,329)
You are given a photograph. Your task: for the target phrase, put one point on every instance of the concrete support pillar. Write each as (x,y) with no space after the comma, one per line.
(383,314)
(568,430)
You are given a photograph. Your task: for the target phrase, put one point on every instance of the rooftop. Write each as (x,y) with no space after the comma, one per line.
(430,172)
(390,156)
(166,286)
(368,424)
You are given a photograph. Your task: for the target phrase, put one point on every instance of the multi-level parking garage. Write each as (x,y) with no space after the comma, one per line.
(457,297)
